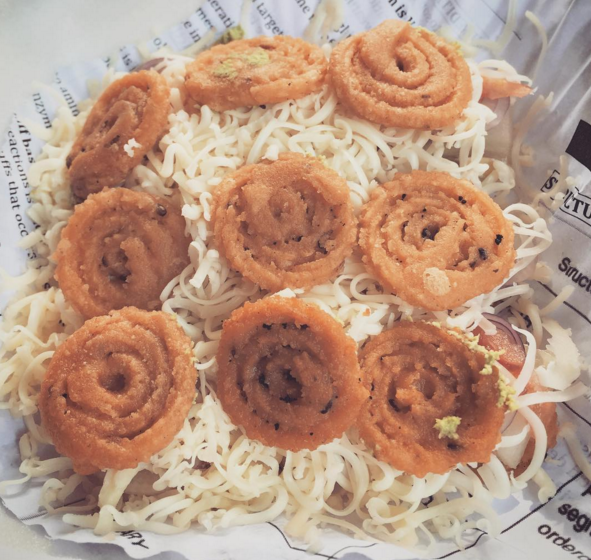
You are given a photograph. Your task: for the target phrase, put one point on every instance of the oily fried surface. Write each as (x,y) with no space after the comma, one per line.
(286,223)
(434,240)
(417,374)
(397,75)
(135,106)
(120,248)
(288,374)
(118,389)
(257,71)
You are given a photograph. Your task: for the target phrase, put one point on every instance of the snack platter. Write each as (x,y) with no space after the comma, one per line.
(281,289)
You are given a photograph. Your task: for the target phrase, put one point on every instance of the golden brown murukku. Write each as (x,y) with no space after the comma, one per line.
(284,224)
(434,240)
(134,107)
(257,71)
(120,248)
(397,75)
(288,374)
(118,389)
(419,374)
(495,88)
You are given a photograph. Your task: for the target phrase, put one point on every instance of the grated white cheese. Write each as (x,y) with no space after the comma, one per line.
(130,145)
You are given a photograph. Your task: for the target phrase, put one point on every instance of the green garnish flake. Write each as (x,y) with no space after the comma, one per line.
(258,57)
(320,157)
(225,69)
(232,34)
(472,342)
(506,394)
(448,426)
(491,357)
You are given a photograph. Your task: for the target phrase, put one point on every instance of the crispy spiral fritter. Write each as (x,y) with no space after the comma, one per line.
(257,71)
(397,75)
(434,240)
(419,374)
(134,107)
(119,249)
(286,223)
(118,389)
(288,374)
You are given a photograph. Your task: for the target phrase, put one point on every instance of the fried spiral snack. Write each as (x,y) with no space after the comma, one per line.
(288,374)
(419,374)
(434,240)
(397,75)
(120,248)
(118,389)
(134,107)
(286,223)
(257,71)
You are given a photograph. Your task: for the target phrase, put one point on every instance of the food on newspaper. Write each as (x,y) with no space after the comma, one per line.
(123,126)
(120,248)
(399,75)
(118,389)
(250,72)
(288,374)
(435,241)
(286,223)
(269,413)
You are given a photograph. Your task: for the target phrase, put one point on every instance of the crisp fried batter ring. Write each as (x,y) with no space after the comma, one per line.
(120,248)
(118,389)
(287,223)
(417,374)
(288,374)
(434,240)
(397,75)
(135,106)
(256,71)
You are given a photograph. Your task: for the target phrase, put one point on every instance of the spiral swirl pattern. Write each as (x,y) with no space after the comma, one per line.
(134,107)
(286,223)
(401,76)
(120,248)
(434,240)
(418,374)
(288,374)
(257,71)
(118,389)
